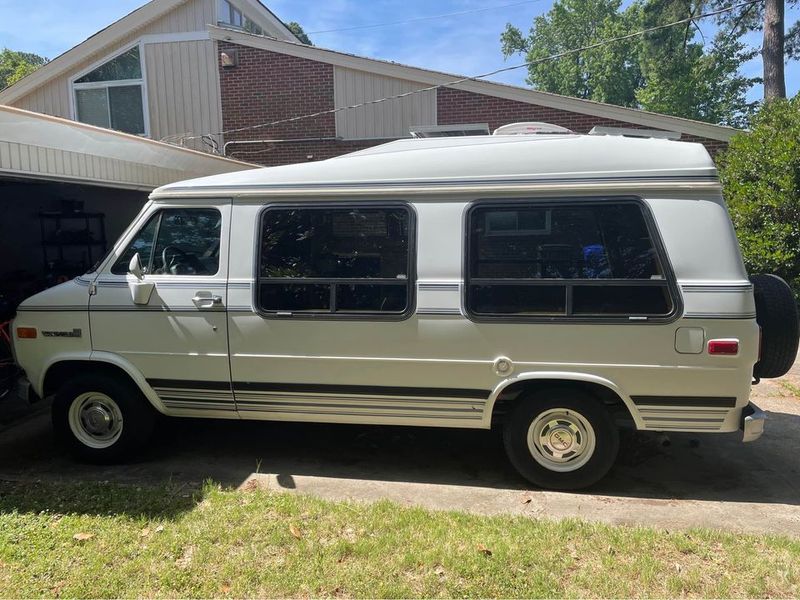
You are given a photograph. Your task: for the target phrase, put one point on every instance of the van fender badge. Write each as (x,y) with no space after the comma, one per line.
(75,333)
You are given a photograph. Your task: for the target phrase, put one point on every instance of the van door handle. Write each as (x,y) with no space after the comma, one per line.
(206,301)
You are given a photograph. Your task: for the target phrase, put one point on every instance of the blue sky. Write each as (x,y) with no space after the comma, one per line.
(466,44)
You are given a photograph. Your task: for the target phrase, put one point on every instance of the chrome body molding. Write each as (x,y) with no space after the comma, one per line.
(439,287)
(393,403)
(722,288)
(718,315)
(488,185)
(685,413)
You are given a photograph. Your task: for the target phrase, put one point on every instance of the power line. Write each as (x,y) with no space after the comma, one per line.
(489,74)
(429,18)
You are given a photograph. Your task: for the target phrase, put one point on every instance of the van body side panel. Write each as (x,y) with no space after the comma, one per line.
(437,368)
(61,318)
(363,370)
(699,237)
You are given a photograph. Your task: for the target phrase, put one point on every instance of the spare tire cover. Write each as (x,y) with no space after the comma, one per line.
(776,313)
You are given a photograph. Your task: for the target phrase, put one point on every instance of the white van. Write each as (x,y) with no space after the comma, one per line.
(557,286)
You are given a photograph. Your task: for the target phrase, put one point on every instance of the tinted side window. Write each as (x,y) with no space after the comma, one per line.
(187,242)
(323,260)
(567,259)
(142,243)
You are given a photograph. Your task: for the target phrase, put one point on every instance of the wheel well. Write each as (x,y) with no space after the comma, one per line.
(516,391)
(61,372)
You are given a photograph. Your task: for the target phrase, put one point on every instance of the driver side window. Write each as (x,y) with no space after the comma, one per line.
(187,242)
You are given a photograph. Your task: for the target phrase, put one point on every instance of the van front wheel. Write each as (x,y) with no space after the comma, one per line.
(561,439)
(101,419)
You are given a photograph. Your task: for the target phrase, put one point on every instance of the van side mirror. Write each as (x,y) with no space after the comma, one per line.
(135,267)
(141,290)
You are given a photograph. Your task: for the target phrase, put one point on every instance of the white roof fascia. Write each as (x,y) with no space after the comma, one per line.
(94,44)
(54,136)
(500,90)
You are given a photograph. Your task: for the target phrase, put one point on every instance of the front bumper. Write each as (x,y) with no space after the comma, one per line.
(23,389)
(752,423)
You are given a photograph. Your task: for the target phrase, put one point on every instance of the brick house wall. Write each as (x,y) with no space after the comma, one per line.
(267,86)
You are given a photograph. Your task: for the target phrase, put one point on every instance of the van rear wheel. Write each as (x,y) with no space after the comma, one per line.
(101,419)
(561,439)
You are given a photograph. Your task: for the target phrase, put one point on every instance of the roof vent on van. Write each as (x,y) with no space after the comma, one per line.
(530,128)
(428,131)
(631,132)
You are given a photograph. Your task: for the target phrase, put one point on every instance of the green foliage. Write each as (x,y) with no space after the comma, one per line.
(666,71)
(604,74)
(297,30)
(750,17)
(698,85)
(793,41)
(760,172)
(16,65)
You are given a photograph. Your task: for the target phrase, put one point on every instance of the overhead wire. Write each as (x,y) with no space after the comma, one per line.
(428,18)
(461,80)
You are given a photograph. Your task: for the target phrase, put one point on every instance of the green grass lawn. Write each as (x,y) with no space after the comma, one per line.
(104,540)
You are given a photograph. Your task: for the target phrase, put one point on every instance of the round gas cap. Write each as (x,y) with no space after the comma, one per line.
(503,366)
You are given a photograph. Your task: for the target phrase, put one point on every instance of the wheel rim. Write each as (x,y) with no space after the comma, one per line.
(95,420)
(561,439)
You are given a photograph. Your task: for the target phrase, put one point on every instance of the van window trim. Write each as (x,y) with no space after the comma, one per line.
(572,201)
(411,279)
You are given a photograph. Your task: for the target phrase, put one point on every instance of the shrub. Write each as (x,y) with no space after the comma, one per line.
(760,173)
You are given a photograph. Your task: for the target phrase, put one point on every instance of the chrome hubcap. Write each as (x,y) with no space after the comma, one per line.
(561,439)
(95,419)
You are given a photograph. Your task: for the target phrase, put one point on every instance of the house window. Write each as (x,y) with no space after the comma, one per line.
(341,261)
(570,259)
(111,95)
(228,14)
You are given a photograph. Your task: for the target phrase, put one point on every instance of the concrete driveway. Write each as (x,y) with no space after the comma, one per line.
(697,480)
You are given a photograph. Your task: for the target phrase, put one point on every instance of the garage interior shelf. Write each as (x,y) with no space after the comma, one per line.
(71,241)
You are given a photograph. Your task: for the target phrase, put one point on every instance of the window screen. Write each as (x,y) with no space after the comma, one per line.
(569,259)
(323,260)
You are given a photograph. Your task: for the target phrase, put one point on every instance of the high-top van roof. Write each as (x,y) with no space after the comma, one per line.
(448,163)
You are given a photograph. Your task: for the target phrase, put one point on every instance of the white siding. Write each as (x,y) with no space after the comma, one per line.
(43,147)
(390,119)
(192,16)
(183,90)
(175,59)
(64,165)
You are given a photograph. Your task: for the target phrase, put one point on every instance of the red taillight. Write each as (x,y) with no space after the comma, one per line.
(26,333)
(723,347)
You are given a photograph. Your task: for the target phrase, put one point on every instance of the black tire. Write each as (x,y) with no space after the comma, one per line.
(137,418)
(776,313)
(522,417)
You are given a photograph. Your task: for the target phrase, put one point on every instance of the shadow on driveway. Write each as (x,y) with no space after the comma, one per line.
(691,467)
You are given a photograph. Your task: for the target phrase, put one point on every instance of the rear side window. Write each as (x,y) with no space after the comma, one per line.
(342,261)
(568,259)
